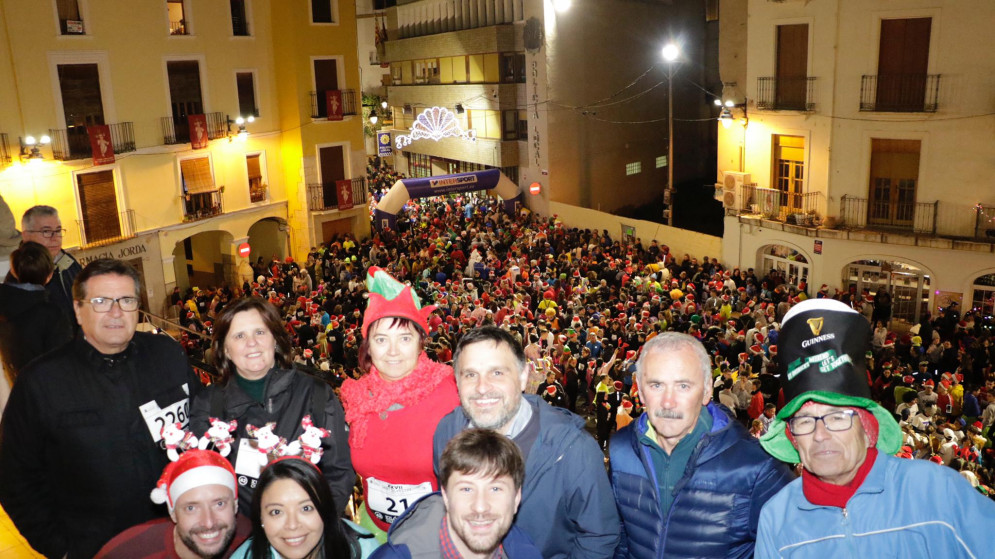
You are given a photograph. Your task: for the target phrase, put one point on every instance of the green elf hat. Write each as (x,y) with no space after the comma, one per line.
(821,345)
(391,298)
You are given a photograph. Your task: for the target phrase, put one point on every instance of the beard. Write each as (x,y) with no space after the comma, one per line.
(188,540)
(496,418)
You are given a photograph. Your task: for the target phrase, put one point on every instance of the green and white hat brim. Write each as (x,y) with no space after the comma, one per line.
(776,441)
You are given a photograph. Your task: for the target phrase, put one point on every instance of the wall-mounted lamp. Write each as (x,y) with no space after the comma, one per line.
(383,105)
(30,151)
(726,117)
(373,117)
(242,133)
(459,108)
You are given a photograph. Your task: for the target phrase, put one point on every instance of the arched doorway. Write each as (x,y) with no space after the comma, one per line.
(789,263)
(204,260)
(983,295)
(908,285)
(268,239)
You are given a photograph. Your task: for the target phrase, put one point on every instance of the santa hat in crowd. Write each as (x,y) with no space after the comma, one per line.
(193,469)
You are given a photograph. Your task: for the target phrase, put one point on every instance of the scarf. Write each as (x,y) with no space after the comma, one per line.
(371,395)
(825,494)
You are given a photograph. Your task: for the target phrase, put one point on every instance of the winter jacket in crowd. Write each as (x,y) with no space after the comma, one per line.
(716,506)
(567,507)
(287,398)
(81,431)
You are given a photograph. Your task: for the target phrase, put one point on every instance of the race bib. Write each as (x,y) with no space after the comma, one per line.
(388,500)
(156,418)
(249,463)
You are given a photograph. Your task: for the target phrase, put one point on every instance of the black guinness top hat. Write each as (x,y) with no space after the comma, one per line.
(822,345)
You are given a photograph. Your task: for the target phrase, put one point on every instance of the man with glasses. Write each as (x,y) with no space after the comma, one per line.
(82,429)
(41,224)
(854,497)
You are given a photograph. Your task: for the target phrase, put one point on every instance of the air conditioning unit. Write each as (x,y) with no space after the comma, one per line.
(732,189)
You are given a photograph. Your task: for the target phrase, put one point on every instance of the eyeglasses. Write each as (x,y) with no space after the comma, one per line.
(836,421)
(48,233)
(104,304)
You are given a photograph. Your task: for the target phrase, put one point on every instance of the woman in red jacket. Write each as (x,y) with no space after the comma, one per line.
(393,409)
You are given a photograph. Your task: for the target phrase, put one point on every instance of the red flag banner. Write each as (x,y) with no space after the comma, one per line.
(333,103)
(100,144)
(344,189)
(198,131)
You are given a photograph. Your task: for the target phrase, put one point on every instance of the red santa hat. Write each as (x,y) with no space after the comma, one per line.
(194,468)
(618,385)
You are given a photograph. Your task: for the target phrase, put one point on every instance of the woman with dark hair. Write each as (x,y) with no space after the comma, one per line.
(294,516)
(394,407)
(257,385)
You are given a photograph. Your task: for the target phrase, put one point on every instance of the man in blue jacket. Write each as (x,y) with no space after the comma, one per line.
(567,507)
(688,480)
(480,476)
(854,497)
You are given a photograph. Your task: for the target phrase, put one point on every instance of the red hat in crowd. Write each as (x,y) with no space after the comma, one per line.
(194,468)
(618,385)
(391,298)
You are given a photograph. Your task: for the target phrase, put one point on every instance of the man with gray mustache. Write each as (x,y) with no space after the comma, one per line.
(688,479)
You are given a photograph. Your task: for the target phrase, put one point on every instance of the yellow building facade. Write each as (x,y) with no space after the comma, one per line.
(259,163)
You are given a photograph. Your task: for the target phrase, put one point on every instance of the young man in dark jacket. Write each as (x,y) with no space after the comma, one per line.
(567,506)
(480,476)
(689,481)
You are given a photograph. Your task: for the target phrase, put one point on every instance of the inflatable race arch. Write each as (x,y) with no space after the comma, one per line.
(385,216)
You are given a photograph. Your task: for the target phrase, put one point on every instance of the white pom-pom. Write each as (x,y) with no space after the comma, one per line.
(159,495)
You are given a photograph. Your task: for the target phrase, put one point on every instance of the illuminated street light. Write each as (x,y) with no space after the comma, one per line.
(670,54)
(562,5)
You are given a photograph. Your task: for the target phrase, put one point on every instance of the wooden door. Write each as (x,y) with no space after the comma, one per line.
(894,177)
(792,67)
(903,61)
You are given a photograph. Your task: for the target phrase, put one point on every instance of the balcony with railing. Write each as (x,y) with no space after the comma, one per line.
(429,17)
(786,93)
(176,129)
(911,216)
(74,142)
(101,230)
(319,109)
(202,205)
(984,223)
(900,93)
(801,208)
(5,158)
(325,196)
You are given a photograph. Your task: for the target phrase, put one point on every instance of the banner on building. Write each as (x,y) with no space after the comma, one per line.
(198,131)
(384,148)
(333,104)
(344,189)
(100,144)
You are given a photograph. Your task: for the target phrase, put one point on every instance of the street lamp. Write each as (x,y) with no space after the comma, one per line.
(670,54)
